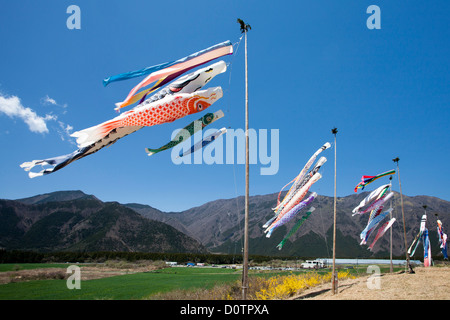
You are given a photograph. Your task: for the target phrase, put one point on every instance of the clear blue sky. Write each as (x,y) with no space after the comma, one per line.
(313,65)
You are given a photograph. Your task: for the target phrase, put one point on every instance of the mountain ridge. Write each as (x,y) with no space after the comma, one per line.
(211,225)
(218,224)
(74,221)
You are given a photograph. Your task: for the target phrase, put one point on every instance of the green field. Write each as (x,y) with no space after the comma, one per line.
(28,266)
(130,286)
(124,287)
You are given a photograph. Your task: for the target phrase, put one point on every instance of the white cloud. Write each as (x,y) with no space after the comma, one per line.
(48,100)
(69,129)
(65,130)
(12,107)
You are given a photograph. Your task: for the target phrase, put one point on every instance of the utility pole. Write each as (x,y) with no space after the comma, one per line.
(333,274)
(244,29)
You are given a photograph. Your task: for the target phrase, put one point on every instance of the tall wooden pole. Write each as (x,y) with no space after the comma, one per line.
(245,264)
(244,29)
(333,274)
(391,267)
(408,266)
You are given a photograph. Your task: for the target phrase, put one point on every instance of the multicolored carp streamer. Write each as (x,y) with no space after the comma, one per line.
(299,192)
(188,131)
(426,249)
(374,194)
(62,161)
(293,202)
(168,109)
(369,179)
(290,214)
(378,209)
(298,196)
(166,72)
(297,180)
(442,239)
(186,84)
(418,237)
(372,224)
(142,72)
(299,184)
(295,227)
(376,204)
(205,141)
(189,83)
(385,227)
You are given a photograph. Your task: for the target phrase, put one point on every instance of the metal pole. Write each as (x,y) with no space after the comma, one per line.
(245,263)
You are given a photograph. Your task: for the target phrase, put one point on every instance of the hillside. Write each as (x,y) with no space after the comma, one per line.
(219,226)
(74,221)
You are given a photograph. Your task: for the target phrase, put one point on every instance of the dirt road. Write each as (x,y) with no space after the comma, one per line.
(432,283)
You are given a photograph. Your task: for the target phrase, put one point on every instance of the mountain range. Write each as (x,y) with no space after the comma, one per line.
(219,226)
(75,221)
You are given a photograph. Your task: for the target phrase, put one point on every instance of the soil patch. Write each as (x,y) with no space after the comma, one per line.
(432,283)
(87,273)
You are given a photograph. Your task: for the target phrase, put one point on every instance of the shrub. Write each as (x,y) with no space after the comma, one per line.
(260,288)
(283,287)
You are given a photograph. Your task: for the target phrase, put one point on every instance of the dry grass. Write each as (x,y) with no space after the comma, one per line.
(34,274)
(219,292)
(95,271)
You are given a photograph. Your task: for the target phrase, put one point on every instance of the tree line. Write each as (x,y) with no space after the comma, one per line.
(18,256)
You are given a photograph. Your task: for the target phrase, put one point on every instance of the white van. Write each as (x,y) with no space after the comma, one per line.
(310,264)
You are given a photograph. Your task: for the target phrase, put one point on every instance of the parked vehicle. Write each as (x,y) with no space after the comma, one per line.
(312,264)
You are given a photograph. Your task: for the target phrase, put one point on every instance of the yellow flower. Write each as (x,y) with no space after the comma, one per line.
(282,287)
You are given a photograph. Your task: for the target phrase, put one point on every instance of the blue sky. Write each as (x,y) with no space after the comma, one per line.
(313,65)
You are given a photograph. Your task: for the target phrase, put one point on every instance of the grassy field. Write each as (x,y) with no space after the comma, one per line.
(128,286)
(28,266)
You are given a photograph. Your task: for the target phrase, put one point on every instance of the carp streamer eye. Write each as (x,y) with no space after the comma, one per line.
(199,107)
